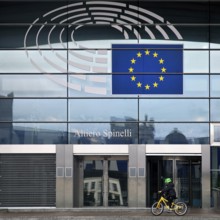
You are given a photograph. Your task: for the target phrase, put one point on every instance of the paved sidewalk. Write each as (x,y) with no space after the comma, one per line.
(102,214)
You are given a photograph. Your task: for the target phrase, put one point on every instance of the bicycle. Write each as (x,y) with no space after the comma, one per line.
(180,208)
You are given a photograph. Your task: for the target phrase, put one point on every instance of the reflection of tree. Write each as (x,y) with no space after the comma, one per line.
(175,137)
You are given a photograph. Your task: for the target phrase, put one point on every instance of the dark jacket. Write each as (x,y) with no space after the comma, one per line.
(169,190)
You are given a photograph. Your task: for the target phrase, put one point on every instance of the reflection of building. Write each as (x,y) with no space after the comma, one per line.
(93,192)
(6,114)
(175,137)
(144,131)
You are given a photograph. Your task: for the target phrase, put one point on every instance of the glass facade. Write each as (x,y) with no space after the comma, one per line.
(56,74)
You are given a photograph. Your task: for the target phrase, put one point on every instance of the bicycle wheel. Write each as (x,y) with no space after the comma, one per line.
(180,208)
(156,208)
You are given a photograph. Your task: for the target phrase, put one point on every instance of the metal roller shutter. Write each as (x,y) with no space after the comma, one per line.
(27,180)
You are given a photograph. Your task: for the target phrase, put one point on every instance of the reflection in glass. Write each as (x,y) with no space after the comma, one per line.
(216,133)
(175,133)
(93,172)
(103,133)
(103,109)
(41,61)
(215,170)
(175,109)
(89,85)
(34,85)
(33,133)
(214,61)
(118,183)
(34,109)
(215,88)
(196,62)
(214,109)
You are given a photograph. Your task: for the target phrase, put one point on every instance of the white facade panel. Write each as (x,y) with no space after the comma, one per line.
(26,149)
(164,149)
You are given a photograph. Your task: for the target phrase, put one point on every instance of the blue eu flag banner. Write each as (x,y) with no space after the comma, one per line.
(147,69)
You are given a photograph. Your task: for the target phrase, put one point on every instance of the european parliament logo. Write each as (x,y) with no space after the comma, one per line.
(147,69)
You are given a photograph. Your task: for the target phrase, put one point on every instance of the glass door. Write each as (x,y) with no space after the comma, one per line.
(185,173)
(105,182)
(182,180)
(93,187)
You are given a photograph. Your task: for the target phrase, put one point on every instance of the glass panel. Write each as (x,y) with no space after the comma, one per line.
(33,133)
(34,110)
(216,133)
(214,35)
(183,181)
(33,85)
(103,110)
(215,158)
(173,133)
(41,61)
(215,175)
(166,171)
(215,88)
(214,61)
(28,12)
(118,183)
(196,62)
(101,36)
(90,61)
(214,12)
(90,85)
(196,183)
(26,37)
(195,86)
(103,133)
(185,110)
(215,113)
(93,172)
(198,12)
(176,34)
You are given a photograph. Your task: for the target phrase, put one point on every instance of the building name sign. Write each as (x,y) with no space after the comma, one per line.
(105,133)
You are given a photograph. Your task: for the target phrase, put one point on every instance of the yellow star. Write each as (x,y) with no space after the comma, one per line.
(139,54)
(155,84)
(161,61)
(155,54)
(133,61)
(131,70)
(139,85)
(161,78)
(133,78)
(147,87)
(147,52)
(163,70)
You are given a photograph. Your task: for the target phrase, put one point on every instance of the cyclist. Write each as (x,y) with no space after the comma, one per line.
(169,191)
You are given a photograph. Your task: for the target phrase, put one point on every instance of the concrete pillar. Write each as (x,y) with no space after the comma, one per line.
(206,186)
(64,176)
(137,176)
(105,183)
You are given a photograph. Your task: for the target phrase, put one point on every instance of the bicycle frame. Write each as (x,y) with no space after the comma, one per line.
(164,201)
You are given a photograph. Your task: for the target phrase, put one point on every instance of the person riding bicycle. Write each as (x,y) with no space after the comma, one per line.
(169,191)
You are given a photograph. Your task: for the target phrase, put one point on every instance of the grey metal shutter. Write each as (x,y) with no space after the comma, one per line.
(27,180)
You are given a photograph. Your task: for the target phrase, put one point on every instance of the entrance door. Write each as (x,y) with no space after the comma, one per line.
(185,173)
(105,181)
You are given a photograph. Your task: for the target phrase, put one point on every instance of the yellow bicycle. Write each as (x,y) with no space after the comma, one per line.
(180,208)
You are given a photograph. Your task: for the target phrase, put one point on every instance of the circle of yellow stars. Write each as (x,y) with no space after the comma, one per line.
(161,62)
